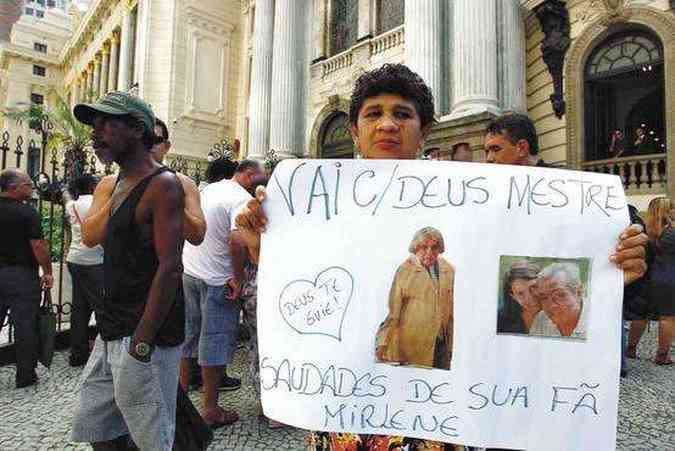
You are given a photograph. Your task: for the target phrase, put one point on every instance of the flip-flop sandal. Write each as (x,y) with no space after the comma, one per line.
(227,418)
(663,359)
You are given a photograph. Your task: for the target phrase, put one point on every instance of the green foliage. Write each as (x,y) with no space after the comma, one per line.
(66,131)
(52,228)
(272,159)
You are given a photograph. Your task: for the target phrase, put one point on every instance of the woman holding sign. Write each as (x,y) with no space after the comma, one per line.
(391,114)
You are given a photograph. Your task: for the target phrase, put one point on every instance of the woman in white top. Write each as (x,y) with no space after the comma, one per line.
(85,265)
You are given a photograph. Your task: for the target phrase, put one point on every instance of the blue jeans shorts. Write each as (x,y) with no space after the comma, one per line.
(121,395)
(211,323)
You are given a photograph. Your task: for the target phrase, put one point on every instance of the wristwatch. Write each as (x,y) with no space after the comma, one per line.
(142,349)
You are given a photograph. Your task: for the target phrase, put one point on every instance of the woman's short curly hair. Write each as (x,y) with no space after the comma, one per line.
(424,233)
(393,79)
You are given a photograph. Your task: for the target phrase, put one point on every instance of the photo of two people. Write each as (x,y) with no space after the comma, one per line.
(544,296)
(538,297)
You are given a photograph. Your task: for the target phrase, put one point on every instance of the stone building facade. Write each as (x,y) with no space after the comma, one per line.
(277,74)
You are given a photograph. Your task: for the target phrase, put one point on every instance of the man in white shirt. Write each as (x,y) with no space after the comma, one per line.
(564,312)
(85,265)
(212,277)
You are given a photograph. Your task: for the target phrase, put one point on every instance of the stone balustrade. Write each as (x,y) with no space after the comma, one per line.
(390,39)
(337,62)
(640,174)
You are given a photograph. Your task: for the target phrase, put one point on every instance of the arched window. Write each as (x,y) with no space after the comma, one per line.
(624,97)
(344,24)
(390,14)
(336,142)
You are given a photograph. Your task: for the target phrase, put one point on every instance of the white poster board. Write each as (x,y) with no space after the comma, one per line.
(336,252)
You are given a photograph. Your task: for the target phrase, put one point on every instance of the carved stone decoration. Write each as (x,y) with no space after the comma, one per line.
(555,23)
(614,5)
(617,11)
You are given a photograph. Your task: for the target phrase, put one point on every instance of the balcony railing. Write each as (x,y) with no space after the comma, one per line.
(388,40)
(643,173)
(337,62)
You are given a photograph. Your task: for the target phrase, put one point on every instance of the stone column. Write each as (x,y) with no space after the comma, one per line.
(90,82)
(105,69)
(126,51)
(114,62)
(83,86)
(97,76)
(75,93)
(286,111)
(366,20)
(475,58)
(261,80)
(80,89)
(423,44)
(513,57)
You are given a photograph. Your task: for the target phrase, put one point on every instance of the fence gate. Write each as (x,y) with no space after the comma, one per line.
(51,172)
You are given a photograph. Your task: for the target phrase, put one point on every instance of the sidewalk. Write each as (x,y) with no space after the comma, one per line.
(38,418)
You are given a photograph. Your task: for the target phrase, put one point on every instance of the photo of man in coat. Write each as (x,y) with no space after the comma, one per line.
(418,328)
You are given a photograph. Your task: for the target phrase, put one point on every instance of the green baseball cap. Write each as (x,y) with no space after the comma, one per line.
(116,103)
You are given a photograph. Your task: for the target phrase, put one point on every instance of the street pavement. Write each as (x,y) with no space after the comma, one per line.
(39,417)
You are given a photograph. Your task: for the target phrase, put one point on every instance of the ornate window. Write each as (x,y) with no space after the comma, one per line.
(344,24)
(390,14)
(336,142)
(624,97)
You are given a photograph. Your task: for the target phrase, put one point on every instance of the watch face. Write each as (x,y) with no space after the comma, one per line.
(143,349)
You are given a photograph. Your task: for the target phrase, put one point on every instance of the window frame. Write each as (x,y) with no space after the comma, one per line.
(40,47)
(601,102)
(379,28)
(39,71)
(352,36)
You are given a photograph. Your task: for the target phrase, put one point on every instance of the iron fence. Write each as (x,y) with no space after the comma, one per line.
(51,171)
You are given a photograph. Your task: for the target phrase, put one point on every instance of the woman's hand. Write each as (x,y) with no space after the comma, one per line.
(630,253)
(250,223)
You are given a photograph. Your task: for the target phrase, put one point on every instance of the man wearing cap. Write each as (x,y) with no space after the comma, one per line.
(194,224)
(129,384)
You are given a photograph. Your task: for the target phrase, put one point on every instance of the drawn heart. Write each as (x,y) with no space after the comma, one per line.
(318,307)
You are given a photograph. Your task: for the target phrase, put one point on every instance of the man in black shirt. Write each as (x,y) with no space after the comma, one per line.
(22,249)
(130,382)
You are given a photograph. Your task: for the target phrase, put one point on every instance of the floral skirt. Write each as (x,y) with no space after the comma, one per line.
(334,441)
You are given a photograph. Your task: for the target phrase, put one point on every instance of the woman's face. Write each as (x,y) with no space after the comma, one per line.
(427,252)
(388,127)
(521,290)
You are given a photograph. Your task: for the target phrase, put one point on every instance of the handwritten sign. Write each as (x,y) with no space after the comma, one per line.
(468,303)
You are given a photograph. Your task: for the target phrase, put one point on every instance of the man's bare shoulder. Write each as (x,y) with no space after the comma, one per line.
(187,182)
(166,180)
(107,183)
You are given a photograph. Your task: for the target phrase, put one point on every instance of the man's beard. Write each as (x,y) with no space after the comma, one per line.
(103,155)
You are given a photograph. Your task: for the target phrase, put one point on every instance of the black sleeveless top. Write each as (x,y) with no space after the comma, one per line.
(130,263)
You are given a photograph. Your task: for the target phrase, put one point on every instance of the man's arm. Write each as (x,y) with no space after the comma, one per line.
(195,223)
(41,253)
(95,224)
(238,255)
(167,226)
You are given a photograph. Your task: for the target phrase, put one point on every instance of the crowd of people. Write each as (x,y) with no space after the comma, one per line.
(169,268)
